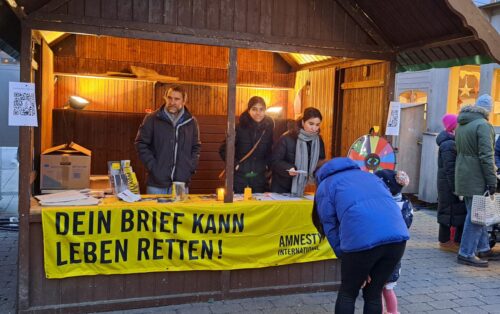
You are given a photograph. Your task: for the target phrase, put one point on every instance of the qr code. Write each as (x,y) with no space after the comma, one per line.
(24,104)
(393,118)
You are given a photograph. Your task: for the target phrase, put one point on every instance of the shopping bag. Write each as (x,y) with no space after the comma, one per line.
(485,211)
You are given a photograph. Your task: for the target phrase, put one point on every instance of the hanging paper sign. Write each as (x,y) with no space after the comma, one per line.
(393,119)
(22,104)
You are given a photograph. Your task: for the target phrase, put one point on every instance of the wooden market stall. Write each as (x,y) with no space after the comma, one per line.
(223,51)
(93,68)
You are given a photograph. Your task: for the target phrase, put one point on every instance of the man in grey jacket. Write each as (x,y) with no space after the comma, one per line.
(168,143)
(474,175)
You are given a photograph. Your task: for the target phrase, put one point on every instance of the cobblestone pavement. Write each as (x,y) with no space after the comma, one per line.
(9,174)
(431,282)
(8,271)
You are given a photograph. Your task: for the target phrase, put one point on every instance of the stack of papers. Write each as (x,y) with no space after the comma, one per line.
(298,171)
(309,197)
(67,198)
(129,197)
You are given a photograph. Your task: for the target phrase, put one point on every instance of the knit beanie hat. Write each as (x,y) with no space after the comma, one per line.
(394,180)
(254,101)
(485,101)
(450,122)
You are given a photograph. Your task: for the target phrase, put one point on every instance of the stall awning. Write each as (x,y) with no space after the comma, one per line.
(427,33)
(434,33)
(474,60)
(430,33)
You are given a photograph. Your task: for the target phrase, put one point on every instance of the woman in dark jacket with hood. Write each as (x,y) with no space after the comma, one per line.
(451,211)
(254,126)
(299,149)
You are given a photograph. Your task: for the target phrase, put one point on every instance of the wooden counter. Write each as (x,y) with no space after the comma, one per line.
(113,292)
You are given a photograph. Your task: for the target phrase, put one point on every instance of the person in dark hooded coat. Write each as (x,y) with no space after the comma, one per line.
(254,126)
(475,174)
(451,211)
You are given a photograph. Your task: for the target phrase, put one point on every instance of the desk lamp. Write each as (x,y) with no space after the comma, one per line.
(77,103)
(274,111)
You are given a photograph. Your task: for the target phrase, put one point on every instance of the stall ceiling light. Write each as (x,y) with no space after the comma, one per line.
(274,109)
(12,3)
(51,36)
(305,59)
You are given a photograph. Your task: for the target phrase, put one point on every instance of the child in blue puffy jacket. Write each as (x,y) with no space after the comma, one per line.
(395,181)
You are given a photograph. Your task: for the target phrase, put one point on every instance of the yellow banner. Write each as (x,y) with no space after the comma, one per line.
(148,237)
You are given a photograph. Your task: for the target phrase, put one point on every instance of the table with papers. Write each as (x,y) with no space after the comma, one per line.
(67,198)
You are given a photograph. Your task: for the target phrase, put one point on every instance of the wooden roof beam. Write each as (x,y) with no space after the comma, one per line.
(365,22)
(290,60)
(323,63)
(89,25)
(18,11)
(49,7)
(435,43)
(356,63)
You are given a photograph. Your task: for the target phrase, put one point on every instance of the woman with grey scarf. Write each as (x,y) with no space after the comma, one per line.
(297,155)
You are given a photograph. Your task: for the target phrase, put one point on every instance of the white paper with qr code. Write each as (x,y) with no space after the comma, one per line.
(22,104)
(393,119)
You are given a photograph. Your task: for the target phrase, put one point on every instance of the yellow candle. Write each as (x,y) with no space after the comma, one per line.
(220,194)
(247,193)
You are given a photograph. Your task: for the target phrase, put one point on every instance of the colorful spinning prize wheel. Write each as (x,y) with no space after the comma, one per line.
(372,153)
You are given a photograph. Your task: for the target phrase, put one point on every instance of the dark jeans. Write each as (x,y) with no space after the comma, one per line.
(379,263)
(444,233)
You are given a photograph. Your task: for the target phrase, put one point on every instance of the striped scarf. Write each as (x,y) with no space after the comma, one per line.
(305,162)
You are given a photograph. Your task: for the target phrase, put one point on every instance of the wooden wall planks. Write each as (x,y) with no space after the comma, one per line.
(363,107)
(130,95)
(117,95)
(97,55)
(111,135)
(321,96)
(47,103)
(139,50)
(299,19)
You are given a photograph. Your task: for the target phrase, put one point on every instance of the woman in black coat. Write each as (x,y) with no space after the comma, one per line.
(285,161)
(451,211)
(253,126)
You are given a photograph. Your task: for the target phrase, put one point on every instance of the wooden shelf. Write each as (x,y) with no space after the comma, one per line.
(169,82)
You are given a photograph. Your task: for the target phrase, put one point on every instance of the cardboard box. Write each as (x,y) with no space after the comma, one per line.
(65,167)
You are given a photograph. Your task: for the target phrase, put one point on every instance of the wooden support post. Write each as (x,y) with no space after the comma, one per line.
(390,85)
(390,82)
(25,167)
(231,111)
